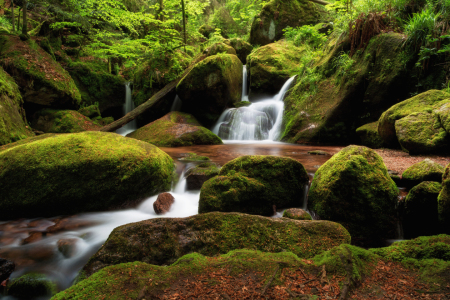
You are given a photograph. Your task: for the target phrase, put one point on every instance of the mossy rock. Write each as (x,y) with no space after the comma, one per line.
(276,15)
(64,174)
(196,176)
(243,49)
(444,201)
(254,184)
(206,30)
(30,286)
(296,214)
(369,135)
(13,123)
(41,79)
(175,130)
(212,234)
(91,111)
(218,48)
(62,121)
(421,210)
(421,133)
(424,102)
(242,104)
(354,189)
(269,67)
(426,170)
(443,114)
(193,157)
(212,85)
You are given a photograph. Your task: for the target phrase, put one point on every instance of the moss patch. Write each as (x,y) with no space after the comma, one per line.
(426,170)
(369,135)
(296,214)
(444,201)
(62,121)
(30,286)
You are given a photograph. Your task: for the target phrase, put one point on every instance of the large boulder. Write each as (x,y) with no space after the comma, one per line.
(354,189)
(212,234)
(270,66)
(369,136)
(6,268)
(421,133)
(276,15)
(212,85)
(218,48)
(443,113)
(13,123)
(444,201)
(42,81)
(426,170)
(243,49)
(421,210)
(174,130)
(53,175)
(31,286)
(254,184)
(197,176)
(62,121)
(424,102)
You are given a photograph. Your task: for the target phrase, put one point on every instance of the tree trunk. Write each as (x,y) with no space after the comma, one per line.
(18,20)
(184,24)
(13,21)
(160,11)
(25,21)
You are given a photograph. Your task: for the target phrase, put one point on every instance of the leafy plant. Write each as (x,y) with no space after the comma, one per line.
(305,34)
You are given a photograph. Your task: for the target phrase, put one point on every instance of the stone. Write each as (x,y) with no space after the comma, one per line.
(218,48)
(318,152)
(444,202)
(6,268)
(62,121)
(163,203)
(197,176)
(243,49)
(206,30)
(30,286)
(193,157)
(91,111)
(296,214)
(426,170)
(369,136)
(67,247)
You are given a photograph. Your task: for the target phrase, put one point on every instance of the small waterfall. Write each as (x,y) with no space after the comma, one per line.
(176,106)
(244,84)
(259,121)
(127,107)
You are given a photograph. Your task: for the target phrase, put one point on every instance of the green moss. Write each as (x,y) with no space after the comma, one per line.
(444,201)
(206,30)
(62,121)
(354,189)
(426,170)
(222,19)
(194,157)
(206,169)
(91,111)
(254,184)
(64,174)
(218,48)
(30,286)
(296,214)
(174,130)
(369,135)
(243,49)
(242,104)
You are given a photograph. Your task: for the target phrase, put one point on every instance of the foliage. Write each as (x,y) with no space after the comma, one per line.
(305,34)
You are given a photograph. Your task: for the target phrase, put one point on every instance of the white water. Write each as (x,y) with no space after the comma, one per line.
(176,106)
(127,107)
(244,85)
(259,121)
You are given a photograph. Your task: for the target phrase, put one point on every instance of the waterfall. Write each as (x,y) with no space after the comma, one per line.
(244,84)
(259,121)
(127,107)
(176,106)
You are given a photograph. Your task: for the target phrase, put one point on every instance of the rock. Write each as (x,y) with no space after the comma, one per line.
(174,130)
(212,234)
(354,189)
(242,104)
(32,75)
(206,30)
(443,113)
(6,268)
(34,236)
(276,15)
(369,136)
(91,111)
(62,121)
(296,214)
(67,247)
(193,157)
(218,48)
(90,171)
(444,201)
(253,184)
(197,176)
(426,170)
(421,210)
(243,49)
(420,133)
(163,203)
(270,66)
(212,85)
(30,286)
(69,224)
(318,152)
(13,123)
(420,103)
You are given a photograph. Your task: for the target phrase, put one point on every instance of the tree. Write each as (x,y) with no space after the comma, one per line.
(25,21)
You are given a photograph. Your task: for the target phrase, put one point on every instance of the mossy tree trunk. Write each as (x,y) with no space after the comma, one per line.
(160,11)
(25,21)
(321,2)
(13,21)
(184,24)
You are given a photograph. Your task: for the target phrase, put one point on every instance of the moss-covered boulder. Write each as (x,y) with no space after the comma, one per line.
(62,121)
(296,214)
(41,80)
(426,170)
(13,123)
(269,67)
(206,30)
(276,15)
(421,133)
(193,157)
(243,49)
(212,234)
(31,286)
(444,201)
(254,184)
(354,189)
(196,176)
(219,48)
(369,135)
(424,102)
(443,114)
(421,210)
(91,111)
(212,85)
(53,175)
(174,130)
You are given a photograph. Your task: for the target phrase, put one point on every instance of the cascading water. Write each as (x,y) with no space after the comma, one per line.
(244,85)
(127,107)
(176,106)
(259,121)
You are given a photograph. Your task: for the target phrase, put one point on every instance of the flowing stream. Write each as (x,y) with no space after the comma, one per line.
(127,107)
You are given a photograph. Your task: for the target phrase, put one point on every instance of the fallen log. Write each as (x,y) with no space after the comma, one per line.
(321,2)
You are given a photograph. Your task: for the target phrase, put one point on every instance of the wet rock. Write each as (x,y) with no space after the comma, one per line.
(70,223)
(163,203)
(193,157)
(6,268)
(426,170)
(67,247)
(34,236)
(318,152)
(296,214)
(354,189)
(40,252)
(196,176)
(212,234)
(444,201)
(30,286)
